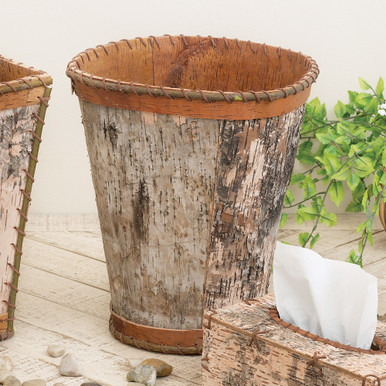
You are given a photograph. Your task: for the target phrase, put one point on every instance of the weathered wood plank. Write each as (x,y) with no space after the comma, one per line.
(66,292)
(63,222)
(87,244)
(328,239)
(16,141)
(370,256)
(93,335)
(66,264)
(28,350)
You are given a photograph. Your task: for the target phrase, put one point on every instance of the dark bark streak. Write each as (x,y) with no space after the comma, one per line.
(250,189)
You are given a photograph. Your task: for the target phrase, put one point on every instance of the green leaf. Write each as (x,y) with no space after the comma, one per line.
(384,157)
(365,199)
(304,153)
(283,219)
(309,187)
(336,192)
(316,110)
(353,258)
(372,107)
(344,142)
(303,238)
(362,100)
(340,109)
(352,180)
(354,207)
(360,246)
(324,137)
(380,87)
(329,219)
(297,177)
(314,240)
(350,109)
(370,238)
(305,214)
(331,163)
(352,95)
(364,166)
(361,226)
(363,84)
(343,173)
(288,198)
(359,191)
(382,179)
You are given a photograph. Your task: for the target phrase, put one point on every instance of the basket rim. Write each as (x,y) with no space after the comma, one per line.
(75,72)
(35,78)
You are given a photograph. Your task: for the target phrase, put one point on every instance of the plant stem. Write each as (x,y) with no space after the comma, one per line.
(319,215)
(306,199)
(371,218)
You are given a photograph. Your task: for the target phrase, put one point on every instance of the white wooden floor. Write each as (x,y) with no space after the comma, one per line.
(64,298)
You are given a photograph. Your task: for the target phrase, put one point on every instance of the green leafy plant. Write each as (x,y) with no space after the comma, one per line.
(348,151)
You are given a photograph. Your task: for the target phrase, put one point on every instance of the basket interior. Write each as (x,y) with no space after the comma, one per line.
(196,63)
(10,71)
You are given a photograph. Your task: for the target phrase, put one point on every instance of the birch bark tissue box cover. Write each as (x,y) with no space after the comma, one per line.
(324,334)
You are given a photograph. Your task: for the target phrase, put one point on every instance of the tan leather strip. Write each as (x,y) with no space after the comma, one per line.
(237,110)
(158,336)
(379,345)
(21,98)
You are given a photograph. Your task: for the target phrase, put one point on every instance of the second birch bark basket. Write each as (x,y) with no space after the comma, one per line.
(24,96)
(189,174)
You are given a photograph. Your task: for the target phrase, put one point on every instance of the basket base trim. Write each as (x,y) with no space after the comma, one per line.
(168,341)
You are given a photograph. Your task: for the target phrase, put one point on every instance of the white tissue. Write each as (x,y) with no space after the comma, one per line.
(332,299)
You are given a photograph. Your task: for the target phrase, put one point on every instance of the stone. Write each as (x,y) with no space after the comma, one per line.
(69,366)
(90,384)
(55,350)
(163,369)
(11,381)
(143,374)
(6,364)
(35,382)
(135,362)
(4,374)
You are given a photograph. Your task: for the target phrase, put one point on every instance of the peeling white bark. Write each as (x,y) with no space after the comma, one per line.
(15,145)
(170,190)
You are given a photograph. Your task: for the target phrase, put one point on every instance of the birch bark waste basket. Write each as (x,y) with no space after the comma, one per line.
(24,95)
(190,170)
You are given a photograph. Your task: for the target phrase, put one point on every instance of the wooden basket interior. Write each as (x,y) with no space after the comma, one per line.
(196,63)
(10,71)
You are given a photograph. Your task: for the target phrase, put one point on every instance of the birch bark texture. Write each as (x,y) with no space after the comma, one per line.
(184,200)
(16,139)
(254,165)
(192,142)
(243,345)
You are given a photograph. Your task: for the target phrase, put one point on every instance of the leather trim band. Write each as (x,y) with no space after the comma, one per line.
(156,339)
(195,108)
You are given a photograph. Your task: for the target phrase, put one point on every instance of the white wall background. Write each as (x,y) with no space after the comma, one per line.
(347,38)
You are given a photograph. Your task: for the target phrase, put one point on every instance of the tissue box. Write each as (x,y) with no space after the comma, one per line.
(244,345)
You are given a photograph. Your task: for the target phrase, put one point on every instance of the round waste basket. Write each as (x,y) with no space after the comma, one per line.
(191,142)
